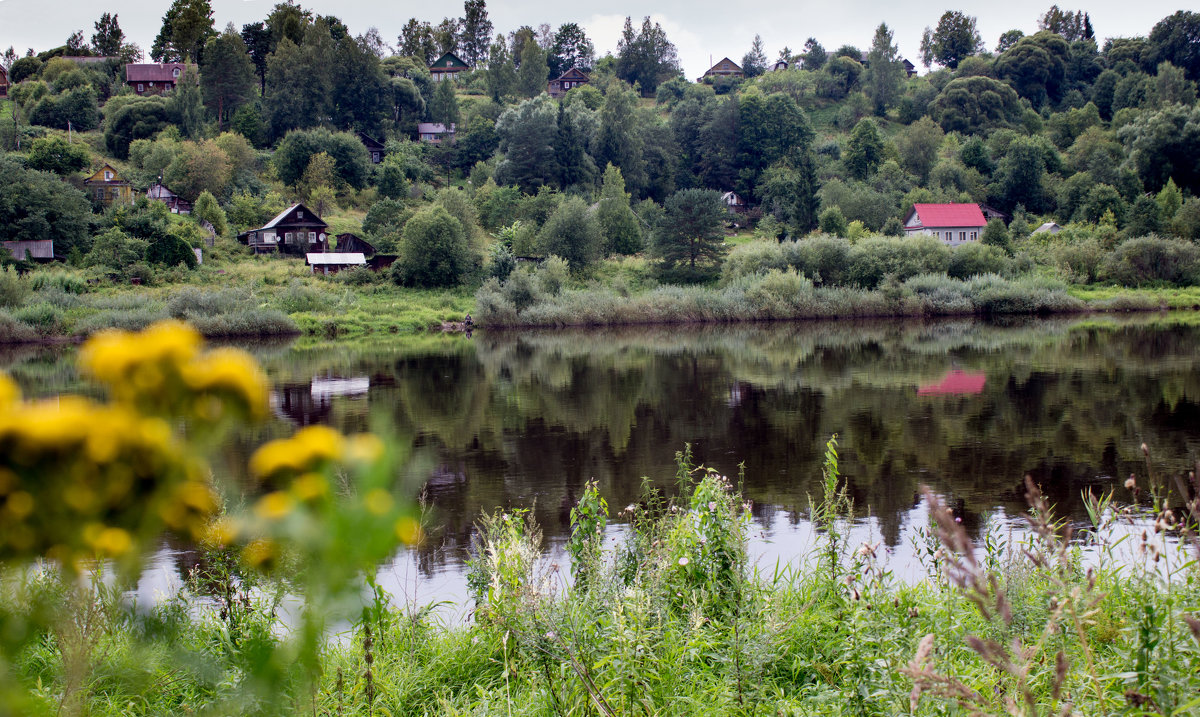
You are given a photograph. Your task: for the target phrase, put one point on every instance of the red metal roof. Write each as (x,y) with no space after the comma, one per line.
(955,383)
(154,72)
(949,215)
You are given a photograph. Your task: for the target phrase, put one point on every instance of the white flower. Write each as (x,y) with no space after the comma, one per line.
(712,505)
(683,561)
(1130,483)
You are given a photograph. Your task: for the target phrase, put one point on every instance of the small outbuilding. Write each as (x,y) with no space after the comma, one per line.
(3,82)
(37,250)
(159,193)
(353,243)
(735,202)
(333,262)
(375,148)
(1048,228)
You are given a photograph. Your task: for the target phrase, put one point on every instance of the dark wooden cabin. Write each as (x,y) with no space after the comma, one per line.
(375,148)
(447,67)
(154,78)
(296,230)
(572,78)
(159,193)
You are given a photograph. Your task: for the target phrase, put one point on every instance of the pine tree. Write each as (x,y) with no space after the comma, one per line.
(754,63)
(885,73)
(109,36)
(619,224)
(531,76)
(501,73)
(476,32)
(227,74)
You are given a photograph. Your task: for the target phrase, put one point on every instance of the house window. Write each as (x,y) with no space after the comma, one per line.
(108,176)
(962,236)
(141,87)
(289,238)
(299,214)
(312,237)
(175,73)
(974,236)
(100,194)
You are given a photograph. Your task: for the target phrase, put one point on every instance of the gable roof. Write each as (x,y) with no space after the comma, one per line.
(159,191)
(154,72)
(948,215)
(448,62)
(284,214)
(723,60)
(573,74)
(434,128)
(98,176)
(31,249)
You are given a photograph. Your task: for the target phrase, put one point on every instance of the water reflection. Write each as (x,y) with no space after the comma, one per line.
(966,407)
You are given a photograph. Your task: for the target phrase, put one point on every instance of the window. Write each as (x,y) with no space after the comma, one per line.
(289,238)
(974,236)
(300,214)
(312,237)
(175,73)
(962,236)
(108,176)
(141,87)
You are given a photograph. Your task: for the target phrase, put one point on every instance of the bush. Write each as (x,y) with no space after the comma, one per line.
(972,259)
(1079,261)
(573,233)
(300,297)
(61,280)
(435,251)
(13,331)
(44,318)
(871,259)
(13,288)
(1154,260)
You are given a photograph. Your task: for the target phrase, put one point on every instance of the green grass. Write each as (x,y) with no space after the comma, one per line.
(1171,297)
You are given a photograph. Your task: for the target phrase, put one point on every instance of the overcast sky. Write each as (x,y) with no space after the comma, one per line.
(699,28)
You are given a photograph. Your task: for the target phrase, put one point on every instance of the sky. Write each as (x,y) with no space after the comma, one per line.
(704,31)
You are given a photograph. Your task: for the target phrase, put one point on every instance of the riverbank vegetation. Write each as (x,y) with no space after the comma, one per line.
(1081,150)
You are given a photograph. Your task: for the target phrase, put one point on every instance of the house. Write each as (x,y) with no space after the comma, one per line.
(1048,228)
(159,193)
(106,187)
(39,250)
(563,84)
(725,68)
(910,70)
(990,213)
(435,132)
(295,230)
(3,82)
(734,202)
(954,224)
(333,262)
(447,67)
(374,147)
(779,66)
(352,243)
(154,78)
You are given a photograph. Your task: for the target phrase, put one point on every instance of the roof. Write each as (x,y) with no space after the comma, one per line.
(433,128)
(955,383)
(35,249)
(154,72)
(736,66)
(158,191)
(1052,227)
(949,215)
(283,215)
(369,141)
(573,74)
(98,176)
(339,258)
(449,62)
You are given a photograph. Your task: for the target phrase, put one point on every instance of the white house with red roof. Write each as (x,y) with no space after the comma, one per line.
(954,224)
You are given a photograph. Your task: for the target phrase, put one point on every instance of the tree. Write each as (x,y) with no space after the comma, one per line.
(56,154)
(1070,26)
(416,40)
(996,234)
(133,119)
(833,222)
(501,72)
(618,223)
(206,209)
(573,233)
(1176,39)
(476,32)
(617,141)
(75,109)
(1036,67)
(789,192)
(531,75)
(359,88)
(116,250)
(108,38)
(1008,39)
(973,104)
(815,56)
(864,150)
(187,104)
(1020,176)
(257,38)
(288,20)
(918,146)
(1172,87)
(571,48)
(647,57)
(885,72)
(954,39)
(1163,145)
(689,235)
(434,251)
(295,152)
(445,36)
(754,62)
(527,134)
(186,28)
(444,107)
(227,74)
(290,98)
(576,168)
(199,167)
(768,129)
(37,205)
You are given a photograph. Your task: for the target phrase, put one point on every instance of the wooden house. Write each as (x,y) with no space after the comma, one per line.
(296,230)
(154,78)
(435,132)
(352,243)
(735,203)
(779,66)
(3,82)
(725,68)
(990,213)
(563,84)
(106,187)
(159,193)
(447,67)
(38,250)
(333,262)
(910,70)
(375,148)
(954,224)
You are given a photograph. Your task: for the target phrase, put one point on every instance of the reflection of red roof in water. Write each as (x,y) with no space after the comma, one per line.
(955,383)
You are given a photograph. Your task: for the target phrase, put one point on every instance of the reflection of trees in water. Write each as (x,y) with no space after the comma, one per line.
(527,419)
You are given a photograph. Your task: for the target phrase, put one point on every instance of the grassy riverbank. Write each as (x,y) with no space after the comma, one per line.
(673,620)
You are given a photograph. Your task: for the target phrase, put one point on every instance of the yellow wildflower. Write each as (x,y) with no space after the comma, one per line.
(220,532)
(306,450)
(274,506)
(310,486)
(9,393)
(364,449)
(378,502)
(113,356)
(259,553)
(409,531)
(112,542)
(232,372)
(19,504)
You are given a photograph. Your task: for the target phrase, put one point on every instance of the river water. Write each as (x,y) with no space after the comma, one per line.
(525,420)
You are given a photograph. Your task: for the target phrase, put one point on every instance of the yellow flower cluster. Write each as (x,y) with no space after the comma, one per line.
(79,478)
(162,370)
(310,449)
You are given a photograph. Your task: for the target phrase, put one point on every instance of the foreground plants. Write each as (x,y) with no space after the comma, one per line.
(673,618)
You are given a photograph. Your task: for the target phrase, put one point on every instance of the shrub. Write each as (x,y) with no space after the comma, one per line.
(871,259)
(967,260)
(1151,260)
(573,233)
(1079,261)
(42,317)
(435,251)
(300,297)
(13,288)
(61,280)
(553,275)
